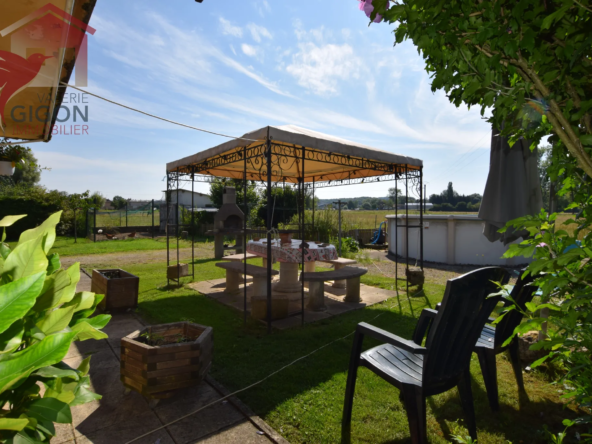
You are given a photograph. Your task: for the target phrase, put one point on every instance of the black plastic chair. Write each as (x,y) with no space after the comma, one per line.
(492,338)
(439,366)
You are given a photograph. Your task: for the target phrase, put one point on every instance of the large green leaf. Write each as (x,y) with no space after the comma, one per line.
(53,371)
(16,424)
(22,438)
(7,221)
(53,290)
(4,250)
(50,409)
(54,263)
(88,312)
(49,351)
(46,230)
(55,320)
(74,273)
(26,259)
(85,331)
(81,301)
(12,337)
(17,298)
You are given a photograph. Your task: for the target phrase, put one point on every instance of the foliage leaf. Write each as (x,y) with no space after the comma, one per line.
(11,339)
(15,424)
(26,259)
(49,351)
(17,298)
(55,320)
(50,409)
(46,230)
(7,221)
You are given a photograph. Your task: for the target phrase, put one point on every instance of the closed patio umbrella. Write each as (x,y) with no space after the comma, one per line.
(513,188)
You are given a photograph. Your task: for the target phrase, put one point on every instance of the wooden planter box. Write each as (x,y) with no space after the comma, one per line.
(176,272)
(158,371)
(119,287)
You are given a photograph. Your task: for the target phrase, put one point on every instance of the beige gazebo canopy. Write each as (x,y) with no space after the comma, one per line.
(326,158)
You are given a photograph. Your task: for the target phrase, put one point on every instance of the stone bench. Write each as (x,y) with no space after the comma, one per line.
(316,300)
(339,263)
(233,280)
(238,257)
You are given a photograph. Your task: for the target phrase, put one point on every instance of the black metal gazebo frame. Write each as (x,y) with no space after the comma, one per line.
(268,161)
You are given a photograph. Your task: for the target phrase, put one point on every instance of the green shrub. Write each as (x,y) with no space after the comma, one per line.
(40,316)
(446,207)
(461,206)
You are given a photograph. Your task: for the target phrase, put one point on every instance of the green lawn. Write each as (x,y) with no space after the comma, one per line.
(304,402)
(65,246)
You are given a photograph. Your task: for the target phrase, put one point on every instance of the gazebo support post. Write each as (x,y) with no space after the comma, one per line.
(313,206)
(177,233)
(422,196)
(302,210)
(168,203)
(192,223)
(269,227)
(407,227)
(396,234)
(246,211)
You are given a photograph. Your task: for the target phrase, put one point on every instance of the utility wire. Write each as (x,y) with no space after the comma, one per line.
(155,116)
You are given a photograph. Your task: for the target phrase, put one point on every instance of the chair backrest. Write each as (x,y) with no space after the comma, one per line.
(458,324)
(522,293)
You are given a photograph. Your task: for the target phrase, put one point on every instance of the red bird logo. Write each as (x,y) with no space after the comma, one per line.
(16,73)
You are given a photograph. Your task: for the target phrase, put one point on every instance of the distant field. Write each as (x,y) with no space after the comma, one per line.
(117,218)
(373,218)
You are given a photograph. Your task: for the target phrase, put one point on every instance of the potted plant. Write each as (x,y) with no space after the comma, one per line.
(119,287)
(10,157)
(161,359)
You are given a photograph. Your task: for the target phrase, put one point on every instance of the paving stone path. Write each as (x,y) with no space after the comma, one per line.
(118,418)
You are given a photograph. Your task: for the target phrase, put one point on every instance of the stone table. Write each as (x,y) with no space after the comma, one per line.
(289,255)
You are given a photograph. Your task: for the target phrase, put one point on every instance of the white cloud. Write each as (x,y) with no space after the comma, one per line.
(262,7)
(320,67)
(258,32)
(183,54)
(249,50)
(229,29)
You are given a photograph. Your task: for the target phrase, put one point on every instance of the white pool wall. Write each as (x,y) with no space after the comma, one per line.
(450,239)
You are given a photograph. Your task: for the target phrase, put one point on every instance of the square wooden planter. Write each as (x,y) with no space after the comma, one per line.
(119,287)
(176,272)
(158,371)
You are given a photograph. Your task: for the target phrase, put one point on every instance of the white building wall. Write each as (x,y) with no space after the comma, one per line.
(450,239)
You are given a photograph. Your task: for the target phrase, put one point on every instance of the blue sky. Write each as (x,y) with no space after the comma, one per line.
(236,65)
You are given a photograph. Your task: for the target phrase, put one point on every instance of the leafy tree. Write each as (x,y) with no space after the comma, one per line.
(42,314)
(529,60)
(96,200)
(351,205)
(283,207)
(366,206)
(118,202)
(29,172)
(393,194)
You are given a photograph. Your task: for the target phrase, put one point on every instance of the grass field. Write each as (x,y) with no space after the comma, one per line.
(304,402)
(118,219)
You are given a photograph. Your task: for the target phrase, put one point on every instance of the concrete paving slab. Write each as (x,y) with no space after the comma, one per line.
(195,427)
(64,434)
(244,432)
(334,301)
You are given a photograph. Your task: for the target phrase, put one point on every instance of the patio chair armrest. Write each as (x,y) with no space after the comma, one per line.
(423,324)
(389,338)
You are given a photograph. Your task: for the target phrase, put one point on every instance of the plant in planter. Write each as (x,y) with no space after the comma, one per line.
(162,359)
(40,316)
(12,156)
(119,287)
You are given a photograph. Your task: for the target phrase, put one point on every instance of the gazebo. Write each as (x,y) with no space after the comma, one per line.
(307,159)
